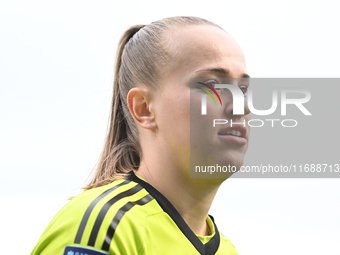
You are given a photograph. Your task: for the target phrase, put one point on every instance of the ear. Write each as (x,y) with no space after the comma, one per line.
(139,104)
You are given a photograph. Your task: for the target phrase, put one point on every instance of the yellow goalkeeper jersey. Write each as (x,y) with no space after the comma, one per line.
(126,217)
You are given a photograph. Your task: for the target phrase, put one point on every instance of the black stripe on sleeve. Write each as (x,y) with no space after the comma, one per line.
(106,207)
(90,208)
(119,215)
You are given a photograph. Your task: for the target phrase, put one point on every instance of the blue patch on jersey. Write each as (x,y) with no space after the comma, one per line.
(76,250)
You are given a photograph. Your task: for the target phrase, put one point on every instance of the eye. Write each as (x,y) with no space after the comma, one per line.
(212,83)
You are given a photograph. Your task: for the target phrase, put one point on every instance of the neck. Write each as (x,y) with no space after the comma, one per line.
(192,198)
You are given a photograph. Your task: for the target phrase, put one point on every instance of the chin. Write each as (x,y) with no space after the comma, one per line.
(234,160)
(235,165)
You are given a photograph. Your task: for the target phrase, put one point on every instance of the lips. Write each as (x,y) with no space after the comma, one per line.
(237,130)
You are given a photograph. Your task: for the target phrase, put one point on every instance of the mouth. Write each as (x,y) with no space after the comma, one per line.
(232,132)
(236,134)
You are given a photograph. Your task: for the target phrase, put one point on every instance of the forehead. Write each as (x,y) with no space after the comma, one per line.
(204,46)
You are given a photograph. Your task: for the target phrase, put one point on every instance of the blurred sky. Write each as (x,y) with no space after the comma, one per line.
(56,73)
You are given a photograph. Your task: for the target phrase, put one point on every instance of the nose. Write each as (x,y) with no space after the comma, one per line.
(246,108)
(229,109)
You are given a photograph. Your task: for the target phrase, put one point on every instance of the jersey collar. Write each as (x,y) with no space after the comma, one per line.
(209,248)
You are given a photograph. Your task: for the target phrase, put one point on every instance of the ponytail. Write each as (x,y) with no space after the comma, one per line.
(121,153)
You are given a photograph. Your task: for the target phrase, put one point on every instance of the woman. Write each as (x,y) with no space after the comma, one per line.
(142,199)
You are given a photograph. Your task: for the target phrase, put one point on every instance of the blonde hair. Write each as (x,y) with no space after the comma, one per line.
(143,52)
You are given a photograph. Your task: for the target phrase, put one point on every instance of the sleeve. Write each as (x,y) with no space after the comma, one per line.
(114,237)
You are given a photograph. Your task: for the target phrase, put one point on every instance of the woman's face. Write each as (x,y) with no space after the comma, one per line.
(186,133)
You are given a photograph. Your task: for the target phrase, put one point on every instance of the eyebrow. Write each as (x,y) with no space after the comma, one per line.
(220,70)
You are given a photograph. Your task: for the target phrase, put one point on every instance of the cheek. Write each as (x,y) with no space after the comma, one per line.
(174,127)
(202,132)
(202,125)
(174,116)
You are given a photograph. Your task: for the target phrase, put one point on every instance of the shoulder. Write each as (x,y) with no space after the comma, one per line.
(226,247)
(108,219)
